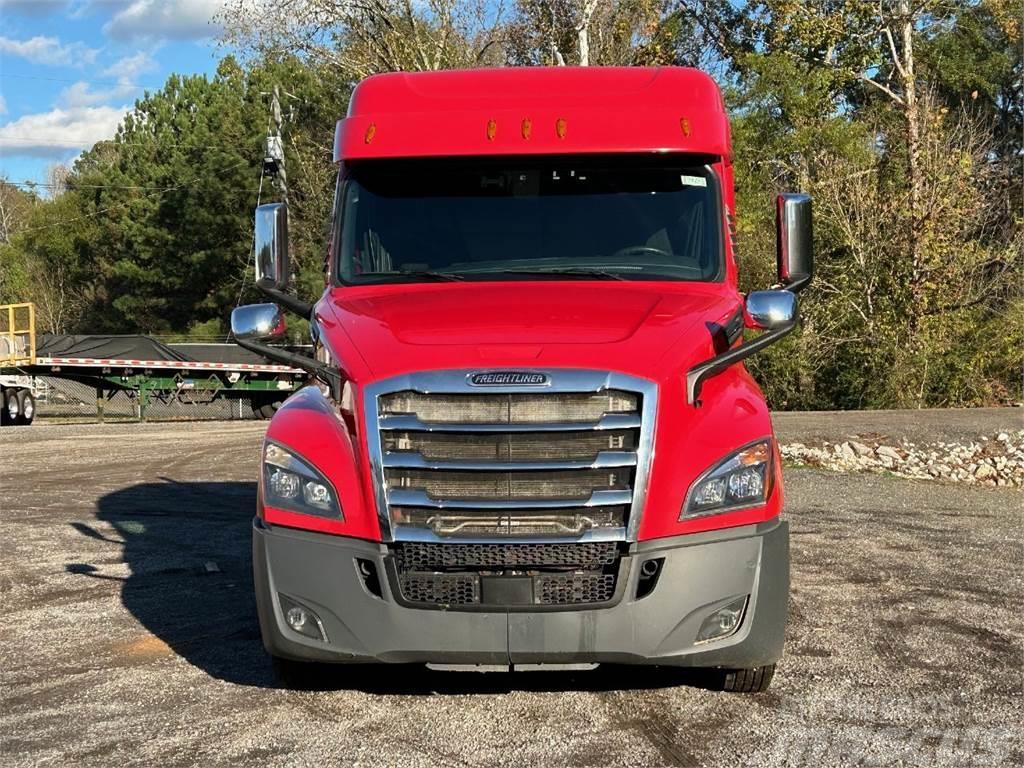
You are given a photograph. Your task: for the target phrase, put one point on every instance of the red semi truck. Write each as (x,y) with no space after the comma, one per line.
(531,439)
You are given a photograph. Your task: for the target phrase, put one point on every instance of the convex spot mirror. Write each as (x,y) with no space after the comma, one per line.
(772,310)
(794,246)
(273,269)
(256,322)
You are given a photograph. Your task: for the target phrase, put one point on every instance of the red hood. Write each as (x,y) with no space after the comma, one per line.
(646,329)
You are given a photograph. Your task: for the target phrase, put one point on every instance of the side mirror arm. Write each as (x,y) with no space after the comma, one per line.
(701,372)
(288,301)
(315,368)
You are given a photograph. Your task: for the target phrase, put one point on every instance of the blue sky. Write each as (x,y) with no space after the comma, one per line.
(69,69)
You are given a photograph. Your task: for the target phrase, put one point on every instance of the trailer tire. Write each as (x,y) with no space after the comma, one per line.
(28,407)
(264,407)
(267,410)
(11,407)
(754,680)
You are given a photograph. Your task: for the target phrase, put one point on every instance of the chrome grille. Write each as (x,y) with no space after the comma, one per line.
(577,484)
(560,461)
(513,446)
(509,408)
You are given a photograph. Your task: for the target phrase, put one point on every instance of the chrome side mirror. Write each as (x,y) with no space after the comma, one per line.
(794,245)
(272,265)
(257,321)
(771,310)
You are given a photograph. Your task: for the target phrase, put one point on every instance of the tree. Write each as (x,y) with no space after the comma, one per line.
(173,193)
(361,39)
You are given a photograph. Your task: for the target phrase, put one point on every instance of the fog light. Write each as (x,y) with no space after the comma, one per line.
(301,619)
(297,618)
(723,622)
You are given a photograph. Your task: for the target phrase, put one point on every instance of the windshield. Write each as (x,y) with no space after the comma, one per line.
(529,218)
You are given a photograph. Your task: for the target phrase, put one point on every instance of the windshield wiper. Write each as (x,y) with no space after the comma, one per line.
(555,271)
(425,273)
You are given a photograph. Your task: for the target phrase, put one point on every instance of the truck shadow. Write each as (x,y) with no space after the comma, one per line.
(187,548)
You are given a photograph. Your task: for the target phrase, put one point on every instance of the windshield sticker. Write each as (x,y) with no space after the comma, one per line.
(693,181)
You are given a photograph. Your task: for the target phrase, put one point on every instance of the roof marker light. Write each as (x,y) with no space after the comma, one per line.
(684,123)
(560,128)
(371,131)
(492,130)
(527,128)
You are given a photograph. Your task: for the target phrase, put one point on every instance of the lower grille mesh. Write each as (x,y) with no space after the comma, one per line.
(572,588)
(442,575)
(421,557)
(441,589)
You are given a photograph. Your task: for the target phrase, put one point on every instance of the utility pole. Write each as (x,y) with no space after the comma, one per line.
(273,155)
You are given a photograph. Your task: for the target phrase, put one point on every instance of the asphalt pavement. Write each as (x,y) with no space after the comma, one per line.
(129,634)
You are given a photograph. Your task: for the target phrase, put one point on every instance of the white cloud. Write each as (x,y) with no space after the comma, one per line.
(48,51)
(165,20)
(81,94)
(55,133)
(130,67)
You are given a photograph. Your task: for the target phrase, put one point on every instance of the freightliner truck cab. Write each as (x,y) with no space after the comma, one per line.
(531,438)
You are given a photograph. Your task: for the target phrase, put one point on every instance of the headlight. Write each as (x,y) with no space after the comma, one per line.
(291,483)
(743,479)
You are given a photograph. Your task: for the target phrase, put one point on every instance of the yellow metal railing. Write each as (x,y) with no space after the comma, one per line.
(17,335)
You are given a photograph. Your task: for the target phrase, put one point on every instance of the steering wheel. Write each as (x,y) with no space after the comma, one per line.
(641,249)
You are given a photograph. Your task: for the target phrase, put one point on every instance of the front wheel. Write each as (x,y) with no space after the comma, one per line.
(297,675)
(753,680)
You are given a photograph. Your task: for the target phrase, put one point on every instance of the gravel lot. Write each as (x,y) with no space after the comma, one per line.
(129,633)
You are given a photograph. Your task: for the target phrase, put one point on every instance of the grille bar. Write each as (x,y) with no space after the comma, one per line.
(416,498)
(604,459)
(414,424)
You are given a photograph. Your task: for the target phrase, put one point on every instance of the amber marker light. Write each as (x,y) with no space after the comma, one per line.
(371,131)
(560,128)
(684,124)
(527,128)
(492,130)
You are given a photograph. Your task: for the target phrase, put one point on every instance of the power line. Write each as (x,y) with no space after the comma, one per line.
(99,81)
(74,185)
(158,143)
(65,222)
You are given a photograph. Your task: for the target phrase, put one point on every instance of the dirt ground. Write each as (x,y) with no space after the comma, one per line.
(129,634)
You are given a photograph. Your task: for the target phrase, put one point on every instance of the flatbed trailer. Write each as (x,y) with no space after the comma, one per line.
(225,370)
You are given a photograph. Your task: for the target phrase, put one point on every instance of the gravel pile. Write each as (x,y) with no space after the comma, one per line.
(989,460)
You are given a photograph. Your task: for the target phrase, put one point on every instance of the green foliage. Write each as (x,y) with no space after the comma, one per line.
(154,234)
(914,303)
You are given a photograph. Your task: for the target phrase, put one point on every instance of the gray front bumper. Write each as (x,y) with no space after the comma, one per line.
(701,573)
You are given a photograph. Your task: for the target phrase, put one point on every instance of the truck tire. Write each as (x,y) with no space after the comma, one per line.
(28,406)
(753,680)
(297,675)
(12,407)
